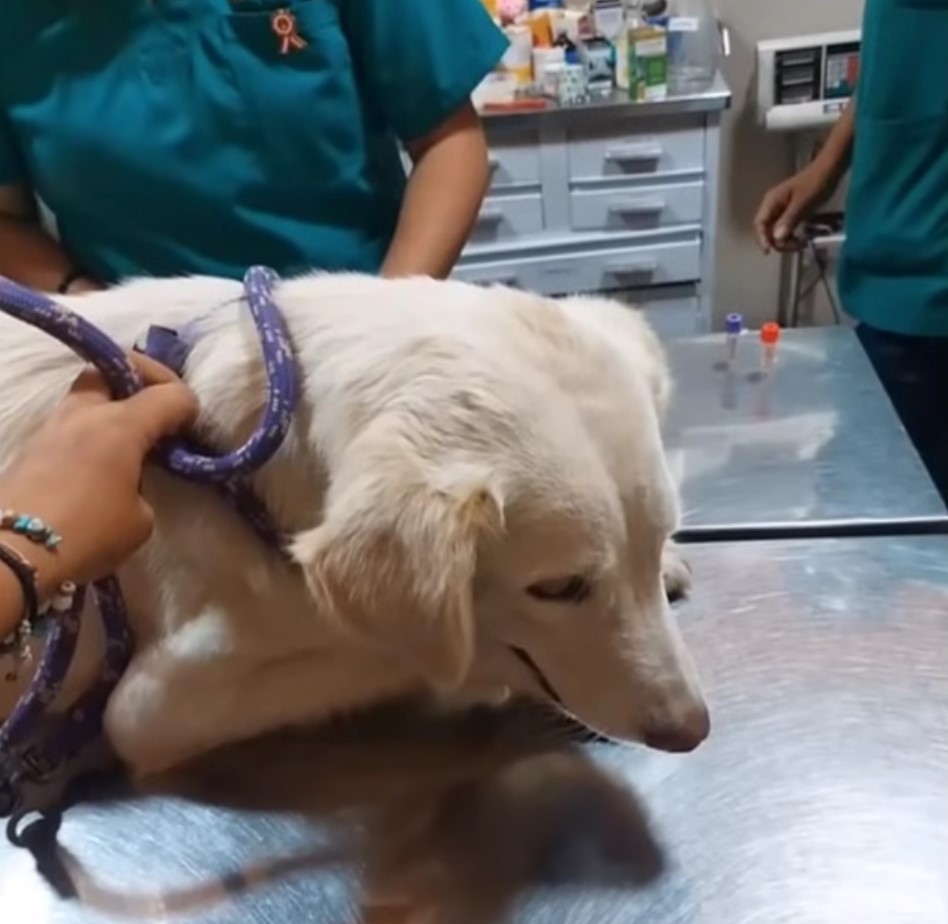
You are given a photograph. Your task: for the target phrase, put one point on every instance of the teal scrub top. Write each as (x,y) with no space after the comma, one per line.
(201,136)
(894,270)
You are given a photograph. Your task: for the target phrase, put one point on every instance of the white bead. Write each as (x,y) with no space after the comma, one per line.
(63,600)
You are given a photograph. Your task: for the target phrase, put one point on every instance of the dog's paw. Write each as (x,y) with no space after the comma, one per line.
(676,573)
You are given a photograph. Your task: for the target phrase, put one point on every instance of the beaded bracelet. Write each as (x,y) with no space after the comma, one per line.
(25,574)
(32,528)
(36,531)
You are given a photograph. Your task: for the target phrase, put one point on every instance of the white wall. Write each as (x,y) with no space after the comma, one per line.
(751,160)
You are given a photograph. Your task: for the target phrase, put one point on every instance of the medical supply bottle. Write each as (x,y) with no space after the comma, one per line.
(694,46)
(647,55)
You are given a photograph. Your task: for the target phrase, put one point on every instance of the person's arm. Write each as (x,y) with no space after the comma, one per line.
(417,62)
(94,502)
(794,200)
(836,155)
(27,254)
(445,191)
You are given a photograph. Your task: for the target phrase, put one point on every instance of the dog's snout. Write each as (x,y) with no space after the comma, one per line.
(682,736)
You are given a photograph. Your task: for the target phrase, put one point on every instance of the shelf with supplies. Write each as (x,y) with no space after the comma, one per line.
(609,196)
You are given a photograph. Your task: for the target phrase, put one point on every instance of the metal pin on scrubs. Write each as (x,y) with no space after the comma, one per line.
(769,338)
(733,328)
(283,23)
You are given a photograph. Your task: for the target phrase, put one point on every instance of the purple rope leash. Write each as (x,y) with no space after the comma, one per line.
(28,754)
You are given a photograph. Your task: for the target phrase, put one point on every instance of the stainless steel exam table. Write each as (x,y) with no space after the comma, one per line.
(815,448)
(821,796)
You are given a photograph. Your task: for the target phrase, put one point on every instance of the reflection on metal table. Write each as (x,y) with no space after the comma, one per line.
(822,795)
(813,447)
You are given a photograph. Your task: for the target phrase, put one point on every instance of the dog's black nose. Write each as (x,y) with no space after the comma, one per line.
(682,736)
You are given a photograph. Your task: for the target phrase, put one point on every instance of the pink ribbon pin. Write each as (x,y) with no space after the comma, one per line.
(283,23)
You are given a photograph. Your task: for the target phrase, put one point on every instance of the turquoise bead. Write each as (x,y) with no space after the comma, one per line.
(33,528)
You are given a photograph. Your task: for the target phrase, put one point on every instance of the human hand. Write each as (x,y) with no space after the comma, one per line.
(788,204)
(83,285)
(82,470)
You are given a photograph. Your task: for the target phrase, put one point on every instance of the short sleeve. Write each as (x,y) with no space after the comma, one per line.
(12,171)
(420,60)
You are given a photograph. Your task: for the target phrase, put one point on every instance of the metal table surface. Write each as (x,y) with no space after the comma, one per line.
(816,446)
(821,797)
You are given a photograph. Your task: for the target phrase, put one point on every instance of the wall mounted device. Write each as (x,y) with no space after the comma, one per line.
(804,83)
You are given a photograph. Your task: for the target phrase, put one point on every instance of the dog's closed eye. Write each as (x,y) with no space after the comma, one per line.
(572,589)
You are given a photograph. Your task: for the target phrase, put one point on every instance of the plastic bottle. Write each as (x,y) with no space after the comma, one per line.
(622,61)
(694,46)
(648,55)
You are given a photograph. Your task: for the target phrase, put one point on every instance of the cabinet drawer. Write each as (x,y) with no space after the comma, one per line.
(672,311)
(646,265)
(514,157)
(636,209)
(508,218)
(635,267)
(544,275)
(648,147)
(494,273)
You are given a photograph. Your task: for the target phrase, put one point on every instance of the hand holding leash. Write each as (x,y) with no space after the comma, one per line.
(80,474)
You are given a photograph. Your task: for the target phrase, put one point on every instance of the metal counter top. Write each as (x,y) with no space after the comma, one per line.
(815,446)
(821,797)
(716,98)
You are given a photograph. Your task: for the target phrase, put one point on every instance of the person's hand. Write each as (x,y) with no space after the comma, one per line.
(82,470)
(83,285)
(787,205)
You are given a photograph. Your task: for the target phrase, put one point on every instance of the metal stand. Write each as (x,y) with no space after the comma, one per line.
(807,268)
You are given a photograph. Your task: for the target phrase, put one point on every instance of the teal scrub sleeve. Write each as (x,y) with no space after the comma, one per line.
(420,60)
(12,170)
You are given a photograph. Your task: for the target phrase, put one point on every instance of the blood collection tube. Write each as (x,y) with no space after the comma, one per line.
(769,338)
(733,328)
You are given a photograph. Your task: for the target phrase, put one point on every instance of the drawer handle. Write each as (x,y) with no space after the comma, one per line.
(638,206)
(490,216)
(632,153)
(507,279)
(638,268)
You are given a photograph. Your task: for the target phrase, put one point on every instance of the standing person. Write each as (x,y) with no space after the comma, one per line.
(893,275)
(165,137)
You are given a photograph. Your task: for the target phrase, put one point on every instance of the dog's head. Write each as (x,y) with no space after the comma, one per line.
(508,536)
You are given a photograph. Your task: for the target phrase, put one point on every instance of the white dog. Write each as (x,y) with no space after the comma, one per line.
(478,499)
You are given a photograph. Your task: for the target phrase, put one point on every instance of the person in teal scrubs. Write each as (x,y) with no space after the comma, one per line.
(893,276)
(166,137)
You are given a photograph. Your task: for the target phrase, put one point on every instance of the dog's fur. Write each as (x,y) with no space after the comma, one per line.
(454,447)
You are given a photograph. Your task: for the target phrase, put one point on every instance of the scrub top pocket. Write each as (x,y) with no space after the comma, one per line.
(297,85)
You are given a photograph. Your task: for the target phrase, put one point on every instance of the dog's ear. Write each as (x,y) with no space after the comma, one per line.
(395,556)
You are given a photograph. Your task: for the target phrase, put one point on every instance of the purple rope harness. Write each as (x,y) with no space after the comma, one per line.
(34,746)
